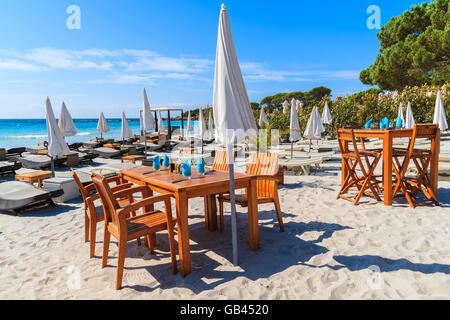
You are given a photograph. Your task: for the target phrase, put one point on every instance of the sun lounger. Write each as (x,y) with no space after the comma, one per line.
(39,162)
(304,165)
(17,196)
(35,149)
(14,152)
(85,174)
(92,144)
(75,146)
(86,157)
(109,153)
(9,168)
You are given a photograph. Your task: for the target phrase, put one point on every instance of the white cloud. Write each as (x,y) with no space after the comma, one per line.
(13,64)
(259,71)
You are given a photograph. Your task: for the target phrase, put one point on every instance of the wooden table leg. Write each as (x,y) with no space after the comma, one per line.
(210,212)
(253,227)
(387,168)
(183,233)
(343,166)
(434,165)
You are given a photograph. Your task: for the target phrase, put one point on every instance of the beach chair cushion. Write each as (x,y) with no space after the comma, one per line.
(17,194)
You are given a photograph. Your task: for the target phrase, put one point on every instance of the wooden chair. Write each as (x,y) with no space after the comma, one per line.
(93,213)
(221,161)
(264,168)
(352,159)
(411,186)
(125,229)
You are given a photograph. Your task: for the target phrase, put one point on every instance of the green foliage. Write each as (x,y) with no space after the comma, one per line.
(357,109)
(275,102)
(415,49)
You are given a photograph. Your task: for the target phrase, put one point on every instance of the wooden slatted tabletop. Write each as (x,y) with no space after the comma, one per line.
(207,187)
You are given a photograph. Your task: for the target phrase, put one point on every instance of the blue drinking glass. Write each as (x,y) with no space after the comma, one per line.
(156,163)
(186,169)
(201,166)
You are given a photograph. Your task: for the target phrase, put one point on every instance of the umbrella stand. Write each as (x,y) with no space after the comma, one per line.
(52,165)
(233,204)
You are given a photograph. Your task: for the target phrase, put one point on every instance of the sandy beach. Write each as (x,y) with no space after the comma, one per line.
(330,249)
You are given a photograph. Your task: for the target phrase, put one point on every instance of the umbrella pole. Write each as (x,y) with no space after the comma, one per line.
(309,150)
(145,144)
(52,165)
(233,205)
(292,149)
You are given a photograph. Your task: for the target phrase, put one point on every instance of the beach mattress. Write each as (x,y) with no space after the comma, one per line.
(18,194)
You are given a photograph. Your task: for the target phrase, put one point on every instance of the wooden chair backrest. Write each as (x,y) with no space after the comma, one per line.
(109,203)
(422,131)
(83,191)
(221,161)
(345,136)
(263,163)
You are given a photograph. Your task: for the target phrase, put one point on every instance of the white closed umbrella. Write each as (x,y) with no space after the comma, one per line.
(299,105)
(294,128)
(161,127)
(314,127)
(326,114)
(440,117)
(56,143)
(201,126)
(65,123)
(263,118)
(141,121)
(409,121)
(102,125)
(285,107)
(148,122)
(210,126)
(189,123)
(125,130)
(400,113)
(232,112)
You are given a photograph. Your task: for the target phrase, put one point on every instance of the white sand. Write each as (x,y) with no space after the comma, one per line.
(331,249)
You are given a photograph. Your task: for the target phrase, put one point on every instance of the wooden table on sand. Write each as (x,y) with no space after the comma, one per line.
(34,176)
(132,158)
(207,187)
(387,135)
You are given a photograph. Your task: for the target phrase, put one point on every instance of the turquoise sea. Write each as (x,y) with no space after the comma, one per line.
(28,132)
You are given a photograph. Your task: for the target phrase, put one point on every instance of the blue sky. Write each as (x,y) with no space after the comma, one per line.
(169,48)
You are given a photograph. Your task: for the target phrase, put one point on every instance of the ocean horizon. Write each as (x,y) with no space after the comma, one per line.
(28,132)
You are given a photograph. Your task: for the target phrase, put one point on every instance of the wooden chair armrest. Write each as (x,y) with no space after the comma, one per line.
(90,187)
(116,179)
(122,213)
(92,198)
(121,187)
(130,191)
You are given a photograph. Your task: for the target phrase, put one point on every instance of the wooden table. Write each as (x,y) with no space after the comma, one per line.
(387,135)
(132,158)
(34,176)
(207,187)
